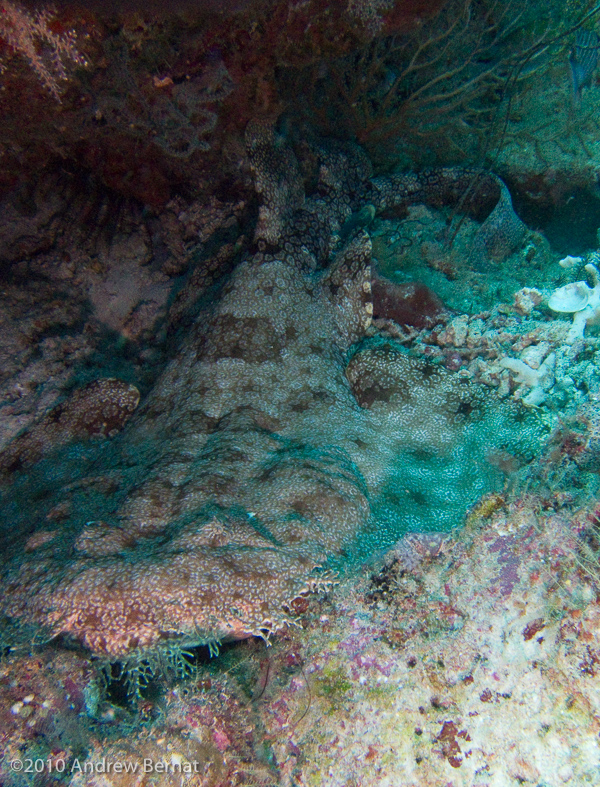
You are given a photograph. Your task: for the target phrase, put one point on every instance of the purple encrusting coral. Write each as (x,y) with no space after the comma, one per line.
(509,562)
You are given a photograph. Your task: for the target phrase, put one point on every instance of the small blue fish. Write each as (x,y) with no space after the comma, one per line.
(583,60)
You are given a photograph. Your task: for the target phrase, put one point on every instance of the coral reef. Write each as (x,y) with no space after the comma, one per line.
(421,676)
(33,36)
(580,300)
(407,672)
(179,120)
(242,362)
(425,93)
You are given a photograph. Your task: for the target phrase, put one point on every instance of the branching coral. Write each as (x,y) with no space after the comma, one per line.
(535,381)
(437,84)
(33,37)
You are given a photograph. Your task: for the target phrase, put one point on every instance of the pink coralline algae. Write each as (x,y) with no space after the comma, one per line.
(253,459)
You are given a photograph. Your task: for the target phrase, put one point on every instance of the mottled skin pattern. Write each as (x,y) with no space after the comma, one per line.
(254,455)
(99,409)
(480,193)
